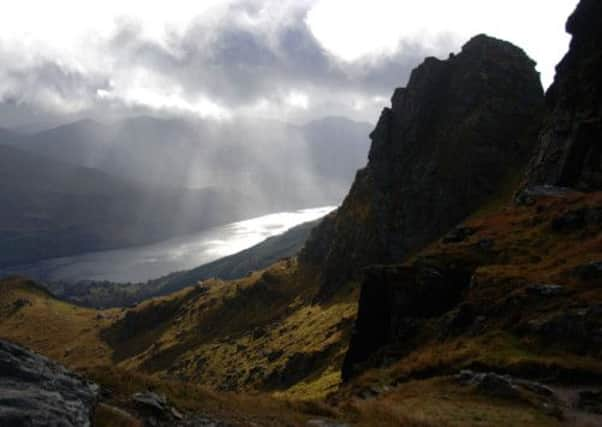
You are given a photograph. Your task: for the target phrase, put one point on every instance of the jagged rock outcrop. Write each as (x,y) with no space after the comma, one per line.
(35,391)
(459,132)
(570,150)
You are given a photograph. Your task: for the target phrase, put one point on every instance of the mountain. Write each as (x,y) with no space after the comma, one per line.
(512,295)
(157,178)
(52,209)
(494,321)
(79,143)
(41,391)
(275,330)
(458,134)
(260,158)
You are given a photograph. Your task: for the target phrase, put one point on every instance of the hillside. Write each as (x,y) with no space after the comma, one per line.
(72,335)
(458,285)
(52,209)
(513,292)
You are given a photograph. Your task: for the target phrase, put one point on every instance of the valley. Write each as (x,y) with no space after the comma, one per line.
(143,263)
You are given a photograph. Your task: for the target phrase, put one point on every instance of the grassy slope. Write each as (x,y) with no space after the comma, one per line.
(73,335)
(70,334)
(241,334)
(527,250)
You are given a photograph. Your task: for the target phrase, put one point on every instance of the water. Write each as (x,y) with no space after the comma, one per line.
(141,263)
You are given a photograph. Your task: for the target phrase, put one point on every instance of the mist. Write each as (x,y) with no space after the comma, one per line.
(89,185)
(275,164)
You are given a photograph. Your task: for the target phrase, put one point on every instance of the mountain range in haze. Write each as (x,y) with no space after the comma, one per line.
(89,186)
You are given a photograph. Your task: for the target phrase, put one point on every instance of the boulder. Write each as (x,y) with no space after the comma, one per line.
(152,402)
(528,195)
(546,290)
(497,386)
(155,411)
(458,234)
(579,330)
(506,386)
(35,391)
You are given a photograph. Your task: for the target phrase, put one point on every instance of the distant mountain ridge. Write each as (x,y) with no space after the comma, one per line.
(263,159)
(52,209)
(158,178)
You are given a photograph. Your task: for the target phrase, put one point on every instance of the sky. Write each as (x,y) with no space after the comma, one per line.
(288,60)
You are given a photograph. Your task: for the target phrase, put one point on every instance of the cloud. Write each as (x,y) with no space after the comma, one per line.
(266,58)
(51,87)
(247,62)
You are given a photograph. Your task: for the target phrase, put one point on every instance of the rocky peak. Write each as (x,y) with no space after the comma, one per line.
(570,151)
(452,137)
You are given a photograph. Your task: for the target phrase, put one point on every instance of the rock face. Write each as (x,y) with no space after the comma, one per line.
(459,131)
(35,391)
(570,150)
(395,300)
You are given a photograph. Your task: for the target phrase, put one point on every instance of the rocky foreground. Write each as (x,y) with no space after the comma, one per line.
(35,391)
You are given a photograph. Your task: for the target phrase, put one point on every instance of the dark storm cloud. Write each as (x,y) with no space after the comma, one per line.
(232,63)
(238,64)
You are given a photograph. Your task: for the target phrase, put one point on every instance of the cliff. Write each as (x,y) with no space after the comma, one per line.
(570,151)
(512,294)
(453,138)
